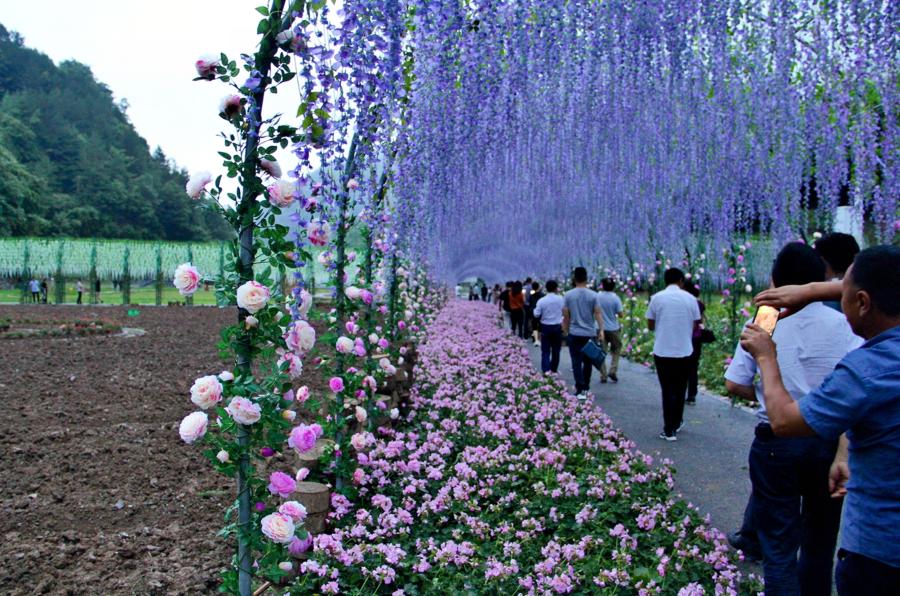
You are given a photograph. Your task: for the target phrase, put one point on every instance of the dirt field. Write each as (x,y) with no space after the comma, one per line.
(98,494)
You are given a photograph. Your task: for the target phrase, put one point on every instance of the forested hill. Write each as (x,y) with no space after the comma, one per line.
(71,164)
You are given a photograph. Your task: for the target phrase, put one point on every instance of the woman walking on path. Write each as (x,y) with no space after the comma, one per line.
(549,311)
(533,319)
(517,309)
(694,371)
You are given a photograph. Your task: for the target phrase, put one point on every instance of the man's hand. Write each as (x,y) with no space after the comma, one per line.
(757,342)
(793,298)
(838,476)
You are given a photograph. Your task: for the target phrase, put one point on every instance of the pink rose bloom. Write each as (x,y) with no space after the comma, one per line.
(299,546)
(226,376)
(243,411)
(401,325)
(193,427)
(197,184)
(281,193)
(305,302)
(370,382)
(373,338)
(303,438)
(383,344)
(282,484)
(352,184)
(230,106)
(302,394)
(366,296)
(294,510)
(206,392)
(336,384)
(351,327)
(352,292)
(278,527)
(288,415)
(187,279)
(359,348)
(361,415)
(295,365)
(302,473)
(318,233)
(206,66)
(300,337)
(344,345)
(360,441)
(358,476)
(252,296)
(270,167)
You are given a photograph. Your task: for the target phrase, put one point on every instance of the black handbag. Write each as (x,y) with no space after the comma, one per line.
(707,336)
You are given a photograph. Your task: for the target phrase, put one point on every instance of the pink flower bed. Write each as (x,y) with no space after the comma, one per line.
(500,481)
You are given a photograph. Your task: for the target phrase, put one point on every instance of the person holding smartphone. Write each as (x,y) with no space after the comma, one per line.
(790,506)
(860,398)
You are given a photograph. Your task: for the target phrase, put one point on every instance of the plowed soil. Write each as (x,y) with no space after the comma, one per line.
(98,493)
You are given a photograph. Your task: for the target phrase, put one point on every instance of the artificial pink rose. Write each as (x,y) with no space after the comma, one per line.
(281,192)
(318,233)
(281,484)
(302,438)
(243,411)
(187,279)
(270,167)
(230,106)
(278,527)
(252,296)
(206,392)
(344,345)
(336,384)
(206,66)
(193,427)
(294,510)
(197,184)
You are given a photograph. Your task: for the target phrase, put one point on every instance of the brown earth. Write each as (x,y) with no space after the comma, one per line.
(99,495)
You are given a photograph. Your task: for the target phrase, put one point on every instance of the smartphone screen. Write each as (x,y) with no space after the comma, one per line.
(767,318)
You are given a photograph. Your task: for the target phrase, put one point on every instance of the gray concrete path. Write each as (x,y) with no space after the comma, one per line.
(710,456)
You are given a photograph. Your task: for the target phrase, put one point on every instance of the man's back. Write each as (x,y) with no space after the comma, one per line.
(581,303)
(611,306)
(674,312)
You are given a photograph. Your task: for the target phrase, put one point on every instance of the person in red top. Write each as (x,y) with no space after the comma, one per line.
(517,309)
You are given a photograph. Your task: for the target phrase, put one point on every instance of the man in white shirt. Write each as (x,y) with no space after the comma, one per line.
(672,315)
(790,507)
(549,310)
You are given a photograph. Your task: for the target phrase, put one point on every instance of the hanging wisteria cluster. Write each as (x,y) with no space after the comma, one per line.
(541,134)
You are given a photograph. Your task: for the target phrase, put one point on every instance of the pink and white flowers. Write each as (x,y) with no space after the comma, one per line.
(294,510)
(278,527)
(197,183)
(244,411)
(318,233)
(281,193)
(303,438)
(344,345)
(187,279)
(252,296)
(206,392)
(230,106)
(282,484)
(206,66)
(270,167)
(193,427)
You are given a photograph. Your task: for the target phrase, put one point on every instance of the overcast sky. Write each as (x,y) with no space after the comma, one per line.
(145,51)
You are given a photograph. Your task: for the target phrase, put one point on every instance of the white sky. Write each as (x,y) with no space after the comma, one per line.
(144,50)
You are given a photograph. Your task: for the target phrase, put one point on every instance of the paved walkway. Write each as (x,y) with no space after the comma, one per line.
(710,456)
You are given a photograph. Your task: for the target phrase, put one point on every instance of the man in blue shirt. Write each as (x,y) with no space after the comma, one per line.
(860,398)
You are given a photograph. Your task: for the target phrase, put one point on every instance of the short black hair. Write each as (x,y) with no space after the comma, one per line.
(838,250)
(551,285)
(608,284)
(673,276)
(580,275)
(535,285)
(876,271)
(797,264)
(692,289)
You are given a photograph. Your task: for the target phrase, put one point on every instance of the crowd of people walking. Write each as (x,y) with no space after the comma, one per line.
(825,460)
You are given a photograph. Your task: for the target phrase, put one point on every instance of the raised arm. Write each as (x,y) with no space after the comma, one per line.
(793,298)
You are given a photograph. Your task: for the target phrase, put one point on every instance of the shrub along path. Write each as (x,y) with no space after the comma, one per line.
(710,456)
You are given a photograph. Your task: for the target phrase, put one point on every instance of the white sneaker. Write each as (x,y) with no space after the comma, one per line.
(537,344)
(666,437)
(582,395)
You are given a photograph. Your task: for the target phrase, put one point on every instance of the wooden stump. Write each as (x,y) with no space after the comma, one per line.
(317,499)
(310,459)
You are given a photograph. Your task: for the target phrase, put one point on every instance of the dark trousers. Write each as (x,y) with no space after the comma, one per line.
(694,369)
(581,366)
(673,377)
(792,510)
(858,575)
(78,301)
(551,343)
(34,297)
(517,321)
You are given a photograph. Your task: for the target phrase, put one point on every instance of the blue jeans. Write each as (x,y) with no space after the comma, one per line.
(858,575)
(551,343)
(793,509)
(581,366)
